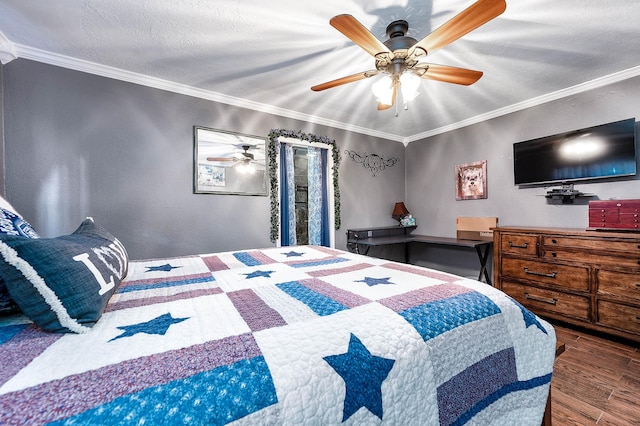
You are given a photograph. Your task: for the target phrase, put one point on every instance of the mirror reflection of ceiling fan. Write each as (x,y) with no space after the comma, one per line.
(244,160)
(399,57)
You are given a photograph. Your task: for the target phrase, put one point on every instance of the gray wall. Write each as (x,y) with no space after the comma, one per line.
(80,145)
(1,134)
(431,163)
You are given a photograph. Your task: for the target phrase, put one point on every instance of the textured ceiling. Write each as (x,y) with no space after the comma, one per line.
(266,55)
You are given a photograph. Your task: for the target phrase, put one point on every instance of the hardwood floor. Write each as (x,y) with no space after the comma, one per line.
(596,381)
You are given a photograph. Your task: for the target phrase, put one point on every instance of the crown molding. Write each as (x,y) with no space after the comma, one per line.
(12,51)
(63,61)
(564,93)
(7,50)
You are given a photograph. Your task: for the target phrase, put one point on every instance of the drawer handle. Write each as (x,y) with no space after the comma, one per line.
(540,274)
(543,300)
(524,246)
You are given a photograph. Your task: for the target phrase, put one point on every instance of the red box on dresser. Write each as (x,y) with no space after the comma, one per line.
(614,214)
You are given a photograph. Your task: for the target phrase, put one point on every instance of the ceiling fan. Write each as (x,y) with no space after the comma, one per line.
(241,159)
(399,57)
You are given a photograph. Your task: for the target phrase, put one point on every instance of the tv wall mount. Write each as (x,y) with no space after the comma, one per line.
(566,194)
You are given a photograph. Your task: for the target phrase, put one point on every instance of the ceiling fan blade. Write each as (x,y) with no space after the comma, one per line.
(344,80)
(466,21)
(358,33)
(449,74)
(220,159)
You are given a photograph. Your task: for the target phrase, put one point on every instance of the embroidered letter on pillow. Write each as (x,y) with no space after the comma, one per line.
(63,284)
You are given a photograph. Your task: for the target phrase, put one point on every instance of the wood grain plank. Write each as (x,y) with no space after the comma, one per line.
(624,405)
(567,410)
(582,385)
(611,420)
(596,381)
(607,365)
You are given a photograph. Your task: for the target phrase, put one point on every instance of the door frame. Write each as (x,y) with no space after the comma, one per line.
(333,191)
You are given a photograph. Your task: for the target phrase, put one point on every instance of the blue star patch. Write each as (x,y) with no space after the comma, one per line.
(165,268)
(256,274)
(293,254)
(158,325)
(375,281)
(363,375)
(529,318)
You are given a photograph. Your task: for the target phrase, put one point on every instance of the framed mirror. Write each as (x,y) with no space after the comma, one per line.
(228,162)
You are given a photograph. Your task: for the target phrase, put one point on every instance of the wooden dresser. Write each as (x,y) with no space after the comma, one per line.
(587,278)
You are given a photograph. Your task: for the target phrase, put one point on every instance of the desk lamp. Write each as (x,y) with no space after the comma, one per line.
(399,210)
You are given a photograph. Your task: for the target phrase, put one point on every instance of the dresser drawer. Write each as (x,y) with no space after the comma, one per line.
(621,317)
(631,219)
(635,209)
(628,260)
(619,284)
(603,215)
(551,242)
(564,276)
(612,225)
(548,301)
(519,244)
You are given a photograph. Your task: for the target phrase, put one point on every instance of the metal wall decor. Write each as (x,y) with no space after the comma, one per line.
(373,162)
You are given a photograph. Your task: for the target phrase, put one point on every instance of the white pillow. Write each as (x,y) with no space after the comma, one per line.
(7,205)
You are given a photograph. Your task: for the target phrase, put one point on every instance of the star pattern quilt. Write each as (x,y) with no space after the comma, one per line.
(284,336)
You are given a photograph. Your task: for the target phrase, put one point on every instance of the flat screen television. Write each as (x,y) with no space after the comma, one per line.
(604,151)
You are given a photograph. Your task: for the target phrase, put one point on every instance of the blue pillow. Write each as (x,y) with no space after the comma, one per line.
(12,224)
(7,305)
(63,284)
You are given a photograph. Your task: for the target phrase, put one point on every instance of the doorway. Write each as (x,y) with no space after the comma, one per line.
(301,182)
(305,197)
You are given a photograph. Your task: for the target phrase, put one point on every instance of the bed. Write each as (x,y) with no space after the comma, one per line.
(275,336)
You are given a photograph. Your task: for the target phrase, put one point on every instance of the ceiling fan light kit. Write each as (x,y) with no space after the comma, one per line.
(242,160)
(398,57)
(383,90)
(409,83)
(246,169)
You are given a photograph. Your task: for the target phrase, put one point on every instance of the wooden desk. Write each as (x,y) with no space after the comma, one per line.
(372,237)
(377,236)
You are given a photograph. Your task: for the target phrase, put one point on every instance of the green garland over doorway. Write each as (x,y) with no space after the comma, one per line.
(272,153)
